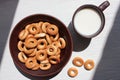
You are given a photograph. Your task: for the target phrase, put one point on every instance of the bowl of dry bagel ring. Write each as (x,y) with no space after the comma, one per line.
(40,45)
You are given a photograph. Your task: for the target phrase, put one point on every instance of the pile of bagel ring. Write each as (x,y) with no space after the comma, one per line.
(40,45)
(79,62)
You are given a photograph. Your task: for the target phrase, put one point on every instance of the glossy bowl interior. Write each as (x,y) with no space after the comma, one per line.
(65,53)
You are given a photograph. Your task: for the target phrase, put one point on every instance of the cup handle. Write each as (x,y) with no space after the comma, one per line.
(104,5)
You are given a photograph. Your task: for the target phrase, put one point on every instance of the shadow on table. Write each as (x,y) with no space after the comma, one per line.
(7,11)
(79,43)
(109,65)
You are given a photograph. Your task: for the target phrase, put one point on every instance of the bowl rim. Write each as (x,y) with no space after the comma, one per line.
(37,75)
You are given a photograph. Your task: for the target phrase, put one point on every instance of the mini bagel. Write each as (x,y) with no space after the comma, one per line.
(30,42)
(52,29)
(20,46)
(40,25)
(45,66)
(77,61)
(48,39)
(40,35)
(30,36)
(36,67)
(62,42)
(30,63)
(58,51)
(27,27)
(23,34)
(56,44)
(89,64)
(33,53)
(44,61)
(54,59)
(34,29)
(22,57)
(44,26)
(51,50)
(55,38)
(72,72)
(42,44)
(28,51)
(41,55)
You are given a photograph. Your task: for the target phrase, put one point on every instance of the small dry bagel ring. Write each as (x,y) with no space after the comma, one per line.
(22,57)
(34,29)
(23,34)
(20,46)
(55,38)
(89,64)
(30,36)
(40,25)
(42,44)
(62,42)
(58,51)
(30,42)
(41,55)
(30,63)
(36,67)
(52,29)
(27,27)
(45,61)
(54,59)
(28,51)
(77,61)
(72,72)
(51,50)
(48,39)
(45,66)
(56,44)
(40,35)
(33,53)
(44,26)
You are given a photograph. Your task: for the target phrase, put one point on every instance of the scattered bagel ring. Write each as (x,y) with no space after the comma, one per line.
(72,72)
(89,64)
(77,61)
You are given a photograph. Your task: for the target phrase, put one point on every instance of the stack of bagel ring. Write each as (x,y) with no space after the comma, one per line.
(40,45)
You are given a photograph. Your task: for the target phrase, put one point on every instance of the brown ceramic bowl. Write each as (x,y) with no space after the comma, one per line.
(65,53)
